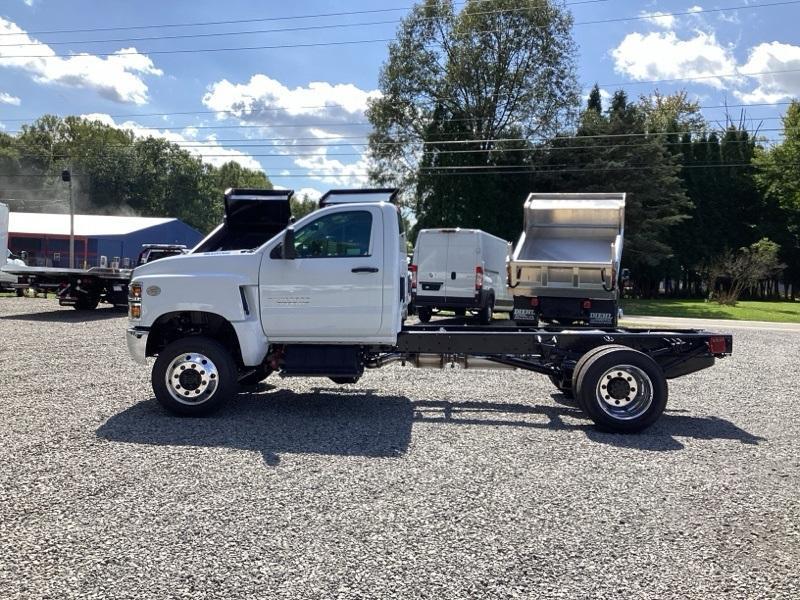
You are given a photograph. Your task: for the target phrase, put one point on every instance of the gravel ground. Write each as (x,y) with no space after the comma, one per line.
(411,484)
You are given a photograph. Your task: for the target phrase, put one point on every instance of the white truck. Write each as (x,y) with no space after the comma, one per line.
(325,297)
(459,270)
(7,280)
(565,266)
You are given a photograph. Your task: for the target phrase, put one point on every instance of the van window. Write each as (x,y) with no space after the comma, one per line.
(338,235)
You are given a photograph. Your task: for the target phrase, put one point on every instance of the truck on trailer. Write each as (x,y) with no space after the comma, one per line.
(325,297)
(565,266)
(460,270)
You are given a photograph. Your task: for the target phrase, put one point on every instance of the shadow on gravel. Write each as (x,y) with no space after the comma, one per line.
(271,421)
(660,437)
(69,315)
(359,422)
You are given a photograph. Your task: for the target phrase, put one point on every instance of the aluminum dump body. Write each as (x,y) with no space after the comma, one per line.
(571,246)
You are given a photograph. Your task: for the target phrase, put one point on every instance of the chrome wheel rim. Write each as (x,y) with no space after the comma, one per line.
(624,392)
(192,378)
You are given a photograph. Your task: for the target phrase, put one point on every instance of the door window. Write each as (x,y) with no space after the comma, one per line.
(344,234)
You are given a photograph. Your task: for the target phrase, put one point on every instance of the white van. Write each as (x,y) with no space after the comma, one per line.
(460,270)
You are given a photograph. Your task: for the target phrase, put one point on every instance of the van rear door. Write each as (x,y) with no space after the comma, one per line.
(463,255)
(432,264)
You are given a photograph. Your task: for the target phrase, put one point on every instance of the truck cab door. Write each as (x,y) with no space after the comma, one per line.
(333,288)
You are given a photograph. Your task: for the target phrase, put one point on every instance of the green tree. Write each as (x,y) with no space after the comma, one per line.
(613,152)
(454,83)
(778,179)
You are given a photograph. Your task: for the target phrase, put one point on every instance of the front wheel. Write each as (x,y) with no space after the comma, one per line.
(193,376)
(424,314)
(622,390)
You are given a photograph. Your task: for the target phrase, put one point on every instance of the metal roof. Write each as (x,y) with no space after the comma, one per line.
(85,225)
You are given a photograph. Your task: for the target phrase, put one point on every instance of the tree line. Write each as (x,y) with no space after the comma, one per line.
(479,107)
(114,172)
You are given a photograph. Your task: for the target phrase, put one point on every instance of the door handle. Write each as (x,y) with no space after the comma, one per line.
(364,270)
(453,275)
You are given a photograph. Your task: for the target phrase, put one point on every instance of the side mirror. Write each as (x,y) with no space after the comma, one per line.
(288,251)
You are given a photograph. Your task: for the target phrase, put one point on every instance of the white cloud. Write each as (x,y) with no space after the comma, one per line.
(6,98)
(660,19)
(775,86)
(319,111)
(28,2)
(663,55)
(119,77)
(208,149)
(311,193)
(695,9)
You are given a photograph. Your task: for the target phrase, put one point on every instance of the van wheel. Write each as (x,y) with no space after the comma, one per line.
(424,313)
(194,375)
(257,376)
(622,390)
(460,312)
(485,314)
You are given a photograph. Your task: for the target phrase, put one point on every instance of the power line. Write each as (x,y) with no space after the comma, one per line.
(369,41)
(181,128)
(329,106)
(262,31)
(251,20)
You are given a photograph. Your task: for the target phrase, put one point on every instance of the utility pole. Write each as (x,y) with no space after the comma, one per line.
(66,176)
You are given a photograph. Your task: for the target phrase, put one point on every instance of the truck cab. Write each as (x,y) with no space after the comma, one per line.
(334,281)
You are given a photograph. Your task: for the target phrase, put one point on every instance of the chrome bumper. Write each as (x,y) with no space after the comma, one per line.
(137,344)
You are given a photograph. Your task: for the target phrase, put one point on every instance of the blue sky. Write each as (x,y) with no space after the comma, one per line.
(690,48)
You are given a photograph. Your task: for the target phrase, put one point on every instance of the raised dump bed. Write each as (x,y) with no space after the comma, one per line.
(564,267)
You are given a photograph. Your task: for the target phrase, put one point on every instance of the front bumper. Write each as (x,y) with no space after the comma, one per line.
(137,343)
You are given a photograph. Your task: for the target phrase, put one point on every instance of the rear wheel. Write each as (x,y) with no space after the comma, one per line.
(460,312)
(622,390)
(485,314)
(85,302)
(424,313)
(193,376)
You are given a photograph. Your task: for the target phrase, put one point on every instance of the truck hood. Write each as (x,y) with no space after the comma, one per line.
(241,266)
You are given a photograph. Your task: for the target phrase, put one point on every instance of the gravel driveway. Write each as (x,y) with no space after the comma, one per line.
(410,484)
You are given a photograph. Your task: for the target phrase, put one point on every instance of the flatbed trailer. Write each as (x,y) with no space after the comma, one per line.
(82,288)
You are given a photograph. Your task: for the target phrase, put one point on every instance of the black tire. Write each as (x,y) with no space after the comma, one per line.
(424,314)
(460,312)
(636,394)
(257,376)
(344,380)
(586,358)
(223,381)
(20,292)
(485,314)
(86,302)
(559,383)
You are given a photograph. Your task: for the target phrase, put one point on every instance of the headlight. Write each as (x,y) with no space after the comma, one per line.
(135,300)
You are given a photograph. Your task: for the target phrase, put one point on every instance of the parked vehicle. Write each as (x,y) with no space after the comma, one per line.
(7,280)
(151,252)
(565,266)
(83,289)
(460,270)
(326,297)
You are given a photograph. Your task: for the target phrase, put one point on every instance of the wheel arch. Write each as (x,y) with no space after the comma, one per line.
(174,325)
